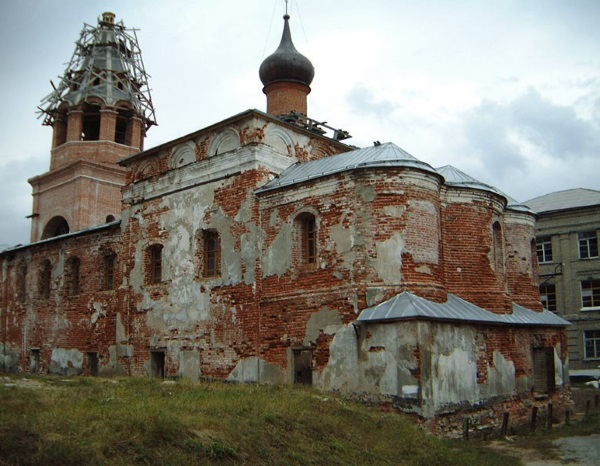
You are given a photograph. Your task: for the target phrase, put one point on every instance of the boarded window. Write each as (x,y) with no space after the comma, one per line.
(154,264)
(109,271)
(45,279)
(72,276)
(306,230)
(211,253)
(543,370)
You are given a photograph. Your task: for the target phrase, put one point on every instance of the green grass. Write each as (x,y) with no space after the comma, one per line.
(90,421)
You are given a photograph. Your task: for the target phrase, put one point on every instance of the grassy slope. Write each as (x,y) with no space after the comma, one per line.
(142,421)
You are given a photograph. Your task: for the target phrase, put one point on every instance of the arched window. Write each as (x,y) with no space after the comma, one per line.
(72,276)
(91,123)
(497,247)
(211,253)
(123,126)
(55,227)
(306,237)
(110,218)
(154,264)
(45,279)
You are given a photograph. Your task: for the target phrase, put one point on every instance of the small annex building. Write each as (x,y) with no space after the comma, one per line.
(264,249)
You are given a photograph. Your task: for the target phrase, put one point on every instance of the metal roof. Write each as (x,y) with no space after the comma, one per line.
(408,306)
(456,177)
(563,200)
(381,155)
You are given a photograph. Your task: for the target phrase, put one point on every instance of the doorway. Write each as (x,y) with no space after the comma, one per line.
(157,364)
(303,366)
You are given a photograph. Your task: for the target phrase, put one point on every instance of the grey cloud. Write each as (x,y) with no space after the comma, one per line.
(362,101)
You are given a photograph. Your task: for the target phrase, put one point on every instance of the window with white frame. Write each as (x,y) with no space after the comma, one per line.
(548,296)
(591,344)
(544,249)
(590,293)
(588,245)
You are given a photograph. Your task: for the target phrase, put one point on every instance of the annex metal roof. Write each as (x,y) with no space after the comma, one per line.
(380,155)
(455,177)
(408,306)
(563,200)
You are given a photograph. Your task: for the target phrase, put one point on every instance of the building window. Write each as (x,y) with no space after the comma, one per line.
(548,296)
(45,279)
(306,227)
(590,293)
(497,247)
(544,249)
(588,245)
(154,264)
(72,276)
(109,272)
(212,253)
(591,344)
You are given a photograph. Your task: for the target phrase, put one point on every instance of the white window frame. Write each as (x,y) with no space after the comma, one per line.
(541,242)
(596,339)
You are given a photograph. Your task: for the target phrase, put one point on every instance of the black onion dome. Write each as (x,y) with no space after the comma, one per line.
(286,63)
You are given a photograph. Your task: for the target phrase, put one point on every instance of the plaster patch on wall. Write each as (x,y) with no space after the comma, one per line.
(250,252)
(388,263)
(98,312)
(318,322)
(342,237)
(424,269)
(393,210)
(66,362)
(253,369)
(501,377)
(454,377)
(278,259)
(423,217)
(367,193)
(341,373)
(189,365)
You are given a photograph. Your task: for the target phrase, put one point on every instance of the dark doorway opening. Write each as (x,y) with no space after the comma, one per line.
(35,359)
(303,366)
(93,363)
(543,370)
(157,364)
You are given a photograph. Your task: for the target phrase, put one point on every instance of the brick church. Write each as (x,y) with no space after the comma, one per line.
(265,249)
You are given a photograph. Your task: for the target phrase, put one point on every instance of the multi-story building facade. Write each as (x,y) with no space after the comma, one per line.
(264,249)
(567,231)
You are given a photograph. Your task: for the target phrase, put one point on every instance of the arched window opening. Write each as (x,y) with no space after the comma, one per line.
(123,130)
(306,231)
(110,218)
(45,279)
(55,227)
(91,123)
(73,276)
(211,253)
(497,247)
(154,264)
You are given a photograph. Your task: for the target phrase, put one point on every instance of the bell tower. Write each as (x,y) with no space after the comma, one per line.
(99,112)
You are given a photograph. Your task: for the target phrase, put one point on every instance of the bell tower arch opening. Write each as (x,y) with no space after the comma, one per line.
(55,227)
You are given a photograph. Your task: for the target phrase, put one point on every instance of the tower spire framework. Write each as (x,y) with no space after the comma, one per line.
(107,63)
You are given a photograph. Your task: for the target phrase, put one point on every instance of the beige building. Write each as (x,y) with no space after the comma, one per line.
(569,267)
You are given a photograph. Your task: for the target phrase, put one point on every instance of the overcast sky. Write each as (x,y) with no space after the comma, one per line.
(506,91)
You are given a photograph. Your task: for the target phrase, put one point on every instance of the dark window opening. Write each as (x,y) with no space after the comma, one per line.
(497,247)
(22,284)
(91,123)
(110,218)
(212,253)
(55,227)
(122,130)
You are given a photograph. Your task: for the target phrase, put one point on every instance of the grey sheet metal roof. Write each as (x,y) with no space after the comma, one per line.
(383,155)
(456,177)
(563,200)
(407,306)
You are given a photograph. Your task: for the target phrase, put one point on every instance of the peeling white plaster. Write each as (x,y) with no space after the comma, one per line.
(388,263)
